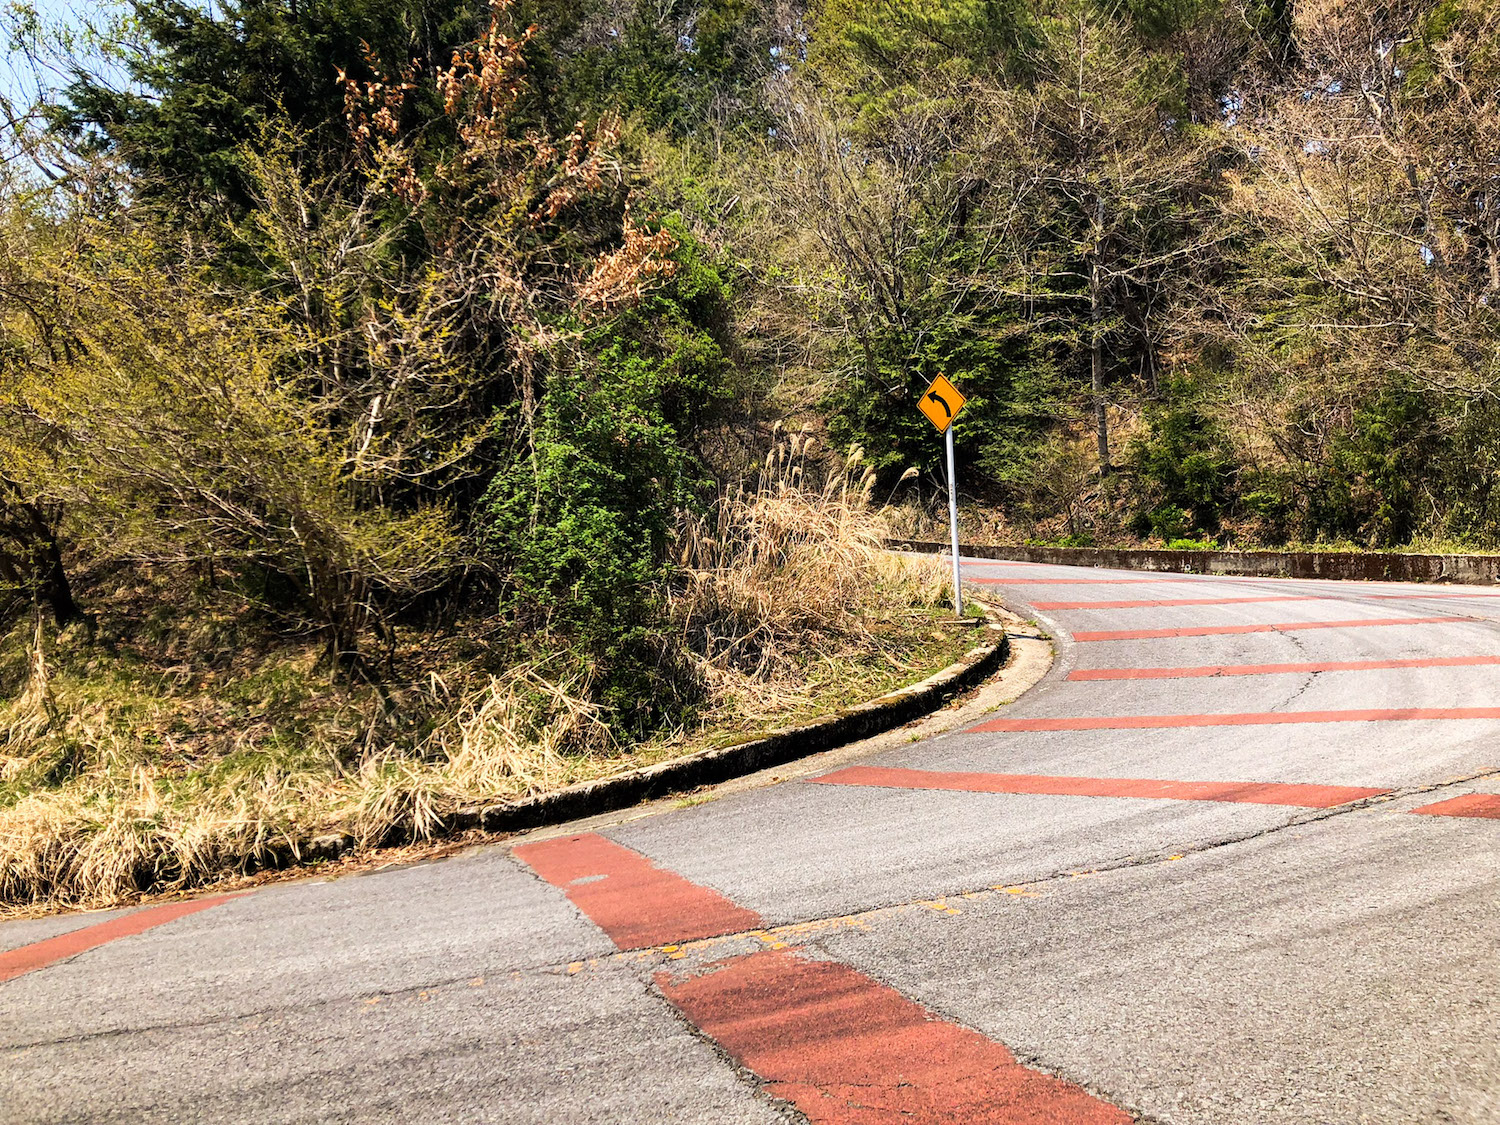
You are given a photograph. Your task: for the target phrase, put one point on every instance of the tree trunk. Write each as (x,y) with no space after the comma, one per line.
(12,597)
(36,564)
(55,589)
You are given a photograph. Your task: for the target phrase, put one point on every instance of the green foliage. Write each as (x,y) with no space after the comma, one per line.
(1083,539)
(1375,469)
(1395,460)
(580,522)
(999,219)
(205,81)
(419,301)
(669,66)
(1167,522)
(1157,19)
(885,48)
(1007,378)
(1185,471)
(341,224)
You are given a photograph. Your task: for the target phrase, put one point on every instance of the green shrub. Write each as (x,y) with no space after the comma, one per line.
(1170,522)
(578,524)
(1185,473)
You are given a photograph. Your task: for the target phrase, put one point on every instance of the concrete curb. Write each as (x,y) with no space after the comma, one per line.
(709,767)
(1475,570)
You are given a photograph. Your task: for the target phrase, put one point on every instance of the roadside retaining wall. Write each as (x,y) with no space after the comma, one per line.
(1480,570)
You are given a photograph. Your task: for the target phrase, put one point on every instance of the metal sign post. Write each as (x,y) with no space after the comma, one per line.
(958,589)
(941,403)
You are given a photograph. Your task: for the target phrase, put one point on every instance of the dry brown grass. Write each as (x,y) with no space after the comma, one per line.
(791,566)
(109,787)
(784,586)
(121,823)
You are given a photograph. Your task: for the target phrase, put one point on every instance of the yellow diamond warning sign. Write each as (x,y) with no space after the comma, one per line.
(941,402)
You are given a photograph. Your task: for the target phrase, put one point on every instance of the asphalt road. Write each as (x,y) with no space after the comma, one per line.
(1206,872)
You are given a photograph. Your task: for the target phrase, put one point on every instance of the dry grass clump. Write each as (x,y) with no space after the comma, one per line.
(104,820)
(520,731)
(26,719)
(789,569)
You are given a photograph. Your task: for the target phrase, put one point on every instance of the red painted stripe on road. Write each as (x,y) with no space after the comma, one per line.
(39,955)
(1275,669)
(1235,792)
(1418,597)
(1251,719)
(628,897)
(844,1048)
(1176,601)
(1023,581)
(847,1050)
(1280,627)
(1484,805)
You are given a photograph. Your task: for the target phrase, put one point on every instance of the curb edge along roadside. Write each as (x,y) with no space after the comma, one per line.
(721,764)
(710,767)
(1474,570)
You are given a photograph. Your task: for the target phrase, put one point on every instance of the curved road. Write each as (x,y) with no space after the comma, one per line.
(1235,861)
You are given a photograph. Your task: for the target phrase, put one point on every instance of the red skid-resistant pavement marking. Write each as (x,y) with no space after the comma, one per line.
(1419,597)
(1275,669)
(1021,580)
(631,899)
(1177,601)
(848,1050)
(1484,805)
(40,954)
(1280,627)
(1251,719)
(844,1048)
(1235,792)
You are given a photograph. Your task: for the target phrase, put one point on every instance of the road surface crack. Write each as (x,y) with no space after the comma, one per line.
(1310,816)
(805,929)
(369,997)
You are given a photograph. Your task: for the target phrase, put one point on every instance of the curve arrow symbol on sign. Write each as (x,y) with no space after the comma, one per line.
(937,398)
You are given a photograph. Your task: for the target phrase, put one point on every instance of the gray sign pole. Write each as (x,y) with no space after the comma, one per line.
(958,592)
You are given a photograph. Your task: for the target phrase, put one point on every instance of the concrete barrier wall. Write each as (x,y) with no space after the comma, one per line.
(1481,570)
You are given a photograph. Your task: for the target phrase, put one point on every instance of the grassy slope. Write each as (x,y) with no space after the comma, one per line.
(191,741)
(914,642)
